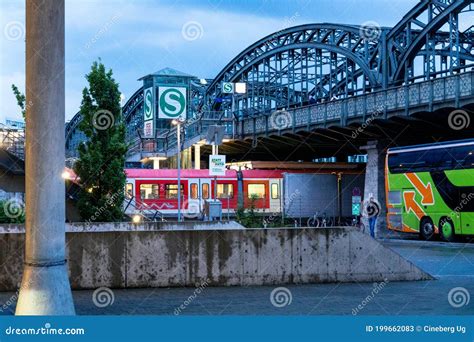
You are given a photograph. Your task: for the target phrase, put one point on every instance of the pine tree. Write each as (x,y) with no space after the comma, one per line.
(100,166)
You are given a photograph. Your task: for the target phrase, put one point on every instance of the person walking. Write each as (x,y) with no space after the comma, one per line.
(373,210)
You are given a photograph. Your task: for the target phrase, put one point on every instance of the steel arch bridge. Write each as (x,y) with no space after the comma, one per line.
(331,65)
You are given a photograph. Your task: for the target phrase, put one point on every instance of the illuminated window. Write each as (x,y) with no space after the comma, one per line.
(225,190)
(149,191)
(205,191)
(171,190)
(129,190)
(194,190)
(275,191)
(256,191)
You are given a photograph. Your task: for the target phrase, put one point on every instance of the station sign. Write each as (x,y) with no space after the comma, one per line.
(217,165)
(172,103)
(148,112)
(228,88)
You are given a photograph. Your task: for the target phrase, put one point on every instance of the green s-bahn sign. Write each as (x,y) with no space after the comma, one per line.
(172,103)
(148,112)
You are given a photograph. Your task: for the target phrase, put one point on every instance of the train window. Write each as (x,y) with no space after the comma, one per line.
(275,191)
(171,190)
(225,190)
(149,191)
(194,190)
(205,191)
(256,191)
(128,190)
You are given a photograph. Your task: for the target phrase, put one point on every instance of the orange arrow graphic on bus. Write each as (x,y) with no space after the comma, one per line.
(425,191)
(411,205)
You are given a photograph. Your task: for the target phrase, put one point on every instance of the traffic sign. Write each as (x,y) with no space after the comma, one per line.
(172,103)
(228,88)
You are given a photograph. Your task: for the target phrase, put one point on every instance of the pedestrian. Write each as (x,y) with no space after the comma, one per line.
(373,211)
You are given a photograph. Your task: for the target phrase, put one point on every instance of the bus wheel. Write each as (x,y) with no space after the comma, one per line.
(446,230)
(426,228)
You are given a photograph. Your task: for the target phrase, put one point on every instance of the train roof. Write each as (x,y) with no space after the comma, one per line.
(421,147)
(190,173)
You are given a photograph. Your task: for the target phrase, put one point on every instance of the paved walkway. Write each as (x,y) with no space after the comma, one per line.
(451,264)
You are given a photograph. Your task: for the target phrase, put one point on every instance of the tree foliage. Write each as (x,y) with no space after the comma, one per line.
(101,159)
(20,99)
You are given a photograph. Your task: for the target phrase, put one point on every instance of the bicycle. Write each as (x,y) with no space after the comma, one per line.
(318,222)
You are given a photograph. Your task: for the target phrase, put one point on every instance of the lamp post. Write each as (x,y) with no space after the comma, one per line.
(177,123)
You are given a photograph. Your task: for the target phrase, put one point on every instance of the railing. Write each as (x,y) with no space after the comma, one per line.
(165,141)
(403,99)
(13,140)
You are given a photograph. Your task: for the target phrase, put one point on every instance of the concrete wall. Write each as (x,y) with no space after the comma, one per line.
(225,257)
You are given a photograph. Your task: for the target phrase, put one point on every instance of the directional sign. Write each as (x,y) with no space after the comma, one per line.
(227,87)
(172,103)
(216,165)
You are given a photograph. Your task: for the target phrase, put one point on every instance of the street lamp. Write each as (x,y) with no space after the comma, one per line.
(177,123)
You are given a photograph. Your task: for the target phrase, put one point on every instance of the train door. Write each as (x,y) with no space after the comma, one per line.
(199,191)
(275,195)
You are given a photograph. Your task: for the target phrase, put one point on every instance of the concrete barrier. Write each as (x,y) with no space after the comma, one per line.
(122,259)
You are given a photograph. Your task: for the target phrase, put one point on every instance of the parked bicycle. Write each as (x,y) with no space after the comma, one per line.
(320,221)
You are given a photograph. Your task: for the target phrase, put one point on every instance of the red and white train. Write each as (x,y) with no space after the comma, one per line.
(157,190)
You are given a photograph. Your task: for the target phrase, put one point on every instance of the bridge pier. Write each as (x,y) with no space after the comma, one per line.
(375,183)
(45,288)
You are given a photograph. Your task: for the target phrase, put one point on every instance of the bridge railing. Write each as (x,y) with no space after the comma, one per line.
(165,140)
(402,99)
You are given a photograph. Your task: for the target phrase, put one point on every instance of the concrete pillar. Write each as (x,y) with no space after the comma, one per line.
(197,157)
(45,288)
(375,184)
(156,163)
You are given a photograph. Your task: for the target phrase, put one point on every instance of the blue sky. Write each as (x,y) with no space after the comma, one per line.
(138,37)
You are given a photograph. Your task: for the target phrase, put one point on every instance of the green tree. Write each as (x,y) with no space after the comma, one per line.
(20,99)
(100,165)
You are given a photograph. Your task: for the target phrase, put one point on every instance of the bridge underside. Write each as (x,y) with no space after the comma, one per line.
(422,127)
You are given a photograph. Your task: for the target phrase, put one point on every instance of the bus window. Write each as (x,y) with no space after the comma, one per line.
(129,190)
(225,190)
(205,191)
(194,190)
(149,191)
(171,191)
(256,191)
(274,191)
